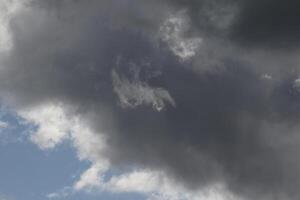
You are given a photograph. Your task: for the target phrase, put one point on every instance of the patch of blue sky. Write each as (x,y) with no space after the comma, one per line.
(28,173)
(13,128)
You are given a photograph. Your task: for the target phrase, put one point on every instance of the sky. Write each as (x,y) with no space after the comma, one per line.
(149,100)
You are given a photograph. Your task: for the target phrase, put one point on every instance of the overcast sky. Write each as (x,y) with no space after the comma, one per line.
(149,100)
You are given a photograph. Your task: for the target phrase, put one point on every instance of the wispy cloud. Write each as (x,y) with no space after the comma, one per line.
(4,125)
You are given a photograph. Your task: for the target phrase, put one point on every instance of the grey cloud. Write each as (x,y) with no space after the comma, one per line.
(226,124)
(249,23)
(270,23)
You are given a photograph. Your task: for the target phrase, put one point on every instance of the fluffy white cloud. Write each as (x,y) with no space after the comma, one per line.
(52,125)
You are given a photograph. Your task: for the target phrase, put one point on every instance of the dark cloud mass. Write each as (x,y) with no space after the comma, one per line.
(228,114)
(274,23)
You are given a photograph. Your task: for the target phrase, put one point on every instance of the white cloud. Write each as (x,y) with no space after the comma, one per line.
(135,93)
(93,177)
(3,125)
(53,125)
(8,8)
(63,193)
(158,186)
(137,181)
(266,77)
(155,185)
(172,32)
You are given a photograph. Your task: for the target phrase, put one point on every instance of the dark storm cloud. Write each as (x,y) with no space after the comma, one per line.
(262,23)
(219,129)
(272,23)
(229,124)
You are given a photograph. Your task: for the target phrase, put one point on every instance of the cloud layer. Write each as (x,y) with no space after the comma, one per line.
(205,92)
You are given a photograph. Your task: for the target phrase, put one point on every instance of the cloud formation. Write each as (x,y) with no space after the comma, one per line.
(205,92)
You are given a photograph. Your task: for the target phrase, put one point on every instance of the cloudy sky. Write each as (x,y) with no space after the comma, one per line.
(149,99)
